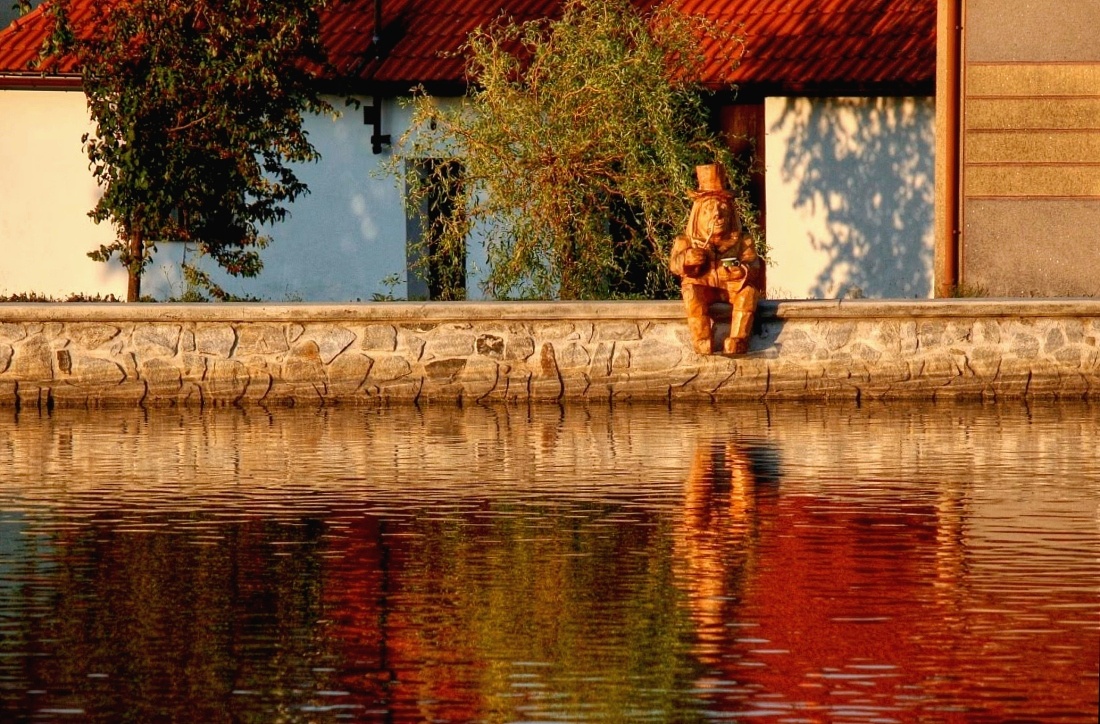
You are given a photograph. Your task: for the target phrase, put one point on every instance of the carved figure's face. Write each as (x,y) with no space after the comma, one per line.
(715,217)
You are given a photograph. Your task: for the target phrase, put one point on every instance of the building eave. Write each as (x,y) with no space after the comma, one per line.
(38,81)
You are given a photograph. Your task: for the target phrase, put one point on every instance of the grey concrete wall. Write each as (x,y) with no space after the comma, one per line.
(1030,151)
(1032,30)
(166,354)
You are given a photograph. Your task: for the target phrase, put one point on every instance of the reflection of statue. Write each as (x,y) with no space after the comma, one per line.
(716,261)
(714,540)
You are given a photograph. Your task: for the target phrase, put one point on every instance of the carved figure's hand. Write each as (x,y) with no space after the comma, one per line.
(696,261)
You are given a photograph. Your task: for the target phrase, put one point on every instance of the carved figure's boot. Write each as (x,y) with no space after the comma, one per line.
(700,329)
(740,331)
(697,303)
(744,309)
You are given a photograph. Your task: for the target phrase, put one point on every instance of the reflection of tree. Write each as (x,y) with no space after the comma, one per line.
(510,610)
(155,625)
(867,166)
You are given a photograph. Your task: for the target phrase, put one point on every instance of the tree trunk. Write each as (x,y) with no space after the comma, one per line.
(133,269)
(568,288)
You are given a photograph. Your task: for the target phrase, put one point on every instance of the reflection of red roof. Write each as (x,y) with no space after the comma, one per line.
(856,607)
(791,45)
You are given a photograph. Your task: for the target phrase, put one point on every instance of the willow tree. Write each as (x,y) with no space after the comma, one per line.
(198,110)
(576,142)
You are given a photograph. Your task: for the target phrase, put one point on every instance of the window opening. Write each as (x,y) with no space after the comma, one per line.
(436,271)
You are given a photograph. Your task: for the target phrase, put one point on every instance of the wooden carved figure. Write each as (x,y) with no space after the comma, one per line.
(717,261)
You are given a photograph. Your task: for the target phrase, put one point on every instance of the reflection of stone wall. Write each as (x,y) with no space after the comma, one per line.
(358,456)
(245,354)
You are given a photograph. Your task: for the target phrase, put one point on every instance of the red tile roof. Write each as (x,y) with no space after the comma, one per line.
(790,45)
(799,44)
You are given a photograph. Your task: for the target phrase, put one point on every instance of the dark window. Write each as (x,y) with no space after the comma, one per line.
(443,275)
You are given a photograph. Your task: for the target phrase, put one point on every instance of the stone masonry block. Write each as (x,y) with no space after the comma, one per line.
(490,345)
(836,336)
(446,343)
(157,340)
(389,368)
(1055,340)
(617,332)
(260,384)
(795,341)
(1025,346)
(520,346)
(225,381)
(260,339)
(12,332)
(573,356)
(162,377)
(443,371)
(32,360)
(546,381)
(601,360)
(92,336)
(304,364)
(215,341)
(652,355)
(331,341)
(410,346)
(347,373)
(479,378)
(95,371)
(379,337)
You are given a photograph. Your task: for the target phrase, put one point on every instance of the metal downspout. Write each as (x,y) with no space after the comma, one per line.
(951,27)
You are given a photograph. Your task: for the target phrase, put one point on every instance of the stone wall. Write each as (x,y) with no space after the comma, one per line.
(179,354)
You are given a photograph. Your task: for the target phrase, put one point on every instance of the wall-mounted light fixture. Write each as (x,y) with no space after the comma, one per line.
(372,116)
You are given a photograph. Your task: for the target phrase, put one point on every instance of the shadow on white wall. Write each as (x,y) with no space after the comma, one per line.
(337,243)
(858,177)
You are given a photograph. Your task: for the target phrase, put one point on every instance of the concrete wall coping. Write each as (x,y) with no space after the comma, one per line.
(532,311)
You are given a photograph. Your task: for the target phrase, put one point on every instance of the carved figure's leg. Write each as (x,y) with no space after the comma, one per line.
(697,300)
(744,309)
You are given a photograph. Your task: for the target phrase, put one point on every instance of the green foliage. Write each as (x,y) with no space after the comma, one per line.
(390,281)
(198,109)
(36,298)
(578,140)
(965,290)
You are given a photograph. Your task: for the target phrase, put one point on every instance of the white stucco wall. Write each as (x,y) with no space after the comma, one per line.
(46,192)
(850,197)
(849,202)
(339,241)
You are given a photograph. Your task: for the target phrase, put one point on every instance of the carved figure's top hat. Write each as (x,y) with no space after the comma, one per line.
(712,182)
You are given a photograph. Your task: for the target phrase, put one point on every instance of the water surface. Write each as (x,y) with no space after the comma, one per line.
(639,563)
